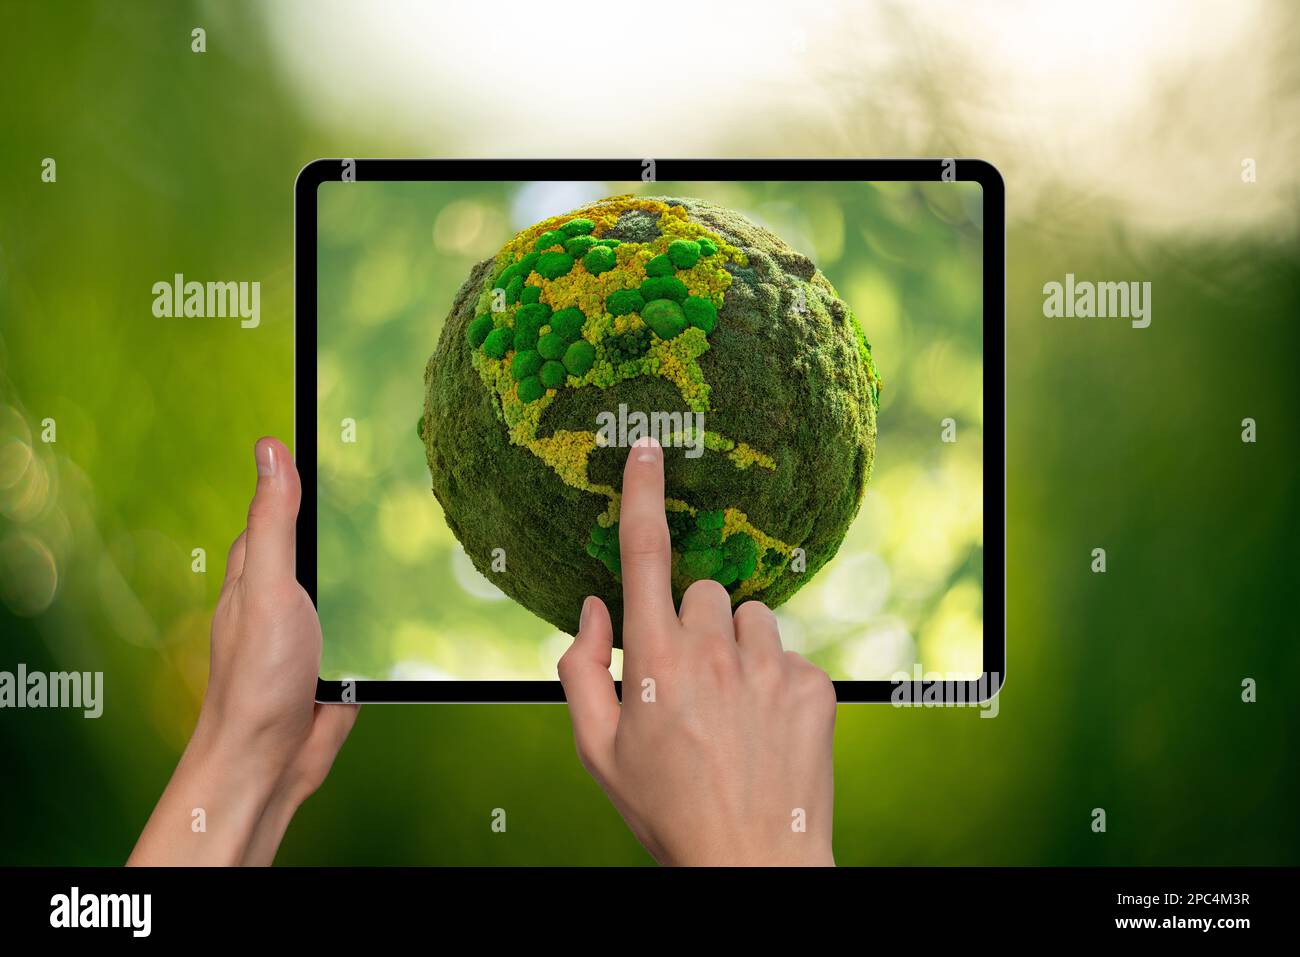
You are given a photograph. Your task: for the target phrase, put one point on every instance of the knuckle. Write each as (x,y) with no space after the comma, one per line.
(817,687)
(566,665)
(809,682)
(753,613)
(706,590)
(261,512)
(643,538)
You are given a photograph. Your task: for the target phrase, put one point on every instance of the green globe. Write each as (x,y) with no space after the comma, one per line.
(635,315)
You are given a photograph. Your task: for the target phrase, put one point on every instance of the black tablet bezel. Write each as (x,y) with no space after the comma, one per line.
(671,170)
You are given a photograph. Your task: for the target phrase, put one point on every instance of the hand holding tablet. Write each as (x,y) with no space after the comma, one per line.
(721,755)
(261,746)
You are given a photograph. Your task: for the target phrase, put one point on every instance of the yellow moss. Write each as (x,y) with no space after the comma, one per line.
(733,521)
(604,214)
(675,225)
(597,328)
(628,323)
(567,454)
(675,360)
(608,517)
(744,456)
(716,442)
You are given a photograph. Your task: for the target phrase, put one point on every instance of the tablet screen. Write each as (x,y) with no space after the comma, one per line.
(809,354)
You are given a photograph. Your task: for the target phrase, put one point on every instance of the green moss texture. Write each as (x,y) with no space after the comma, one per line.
(657,305)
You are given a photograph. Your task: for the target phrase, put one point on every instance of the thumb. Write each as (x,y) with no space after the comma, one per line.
(589,687)
(273,514)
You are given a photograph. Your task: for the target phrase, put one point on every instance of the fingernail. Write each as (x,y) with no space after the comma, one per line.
(582,619)
(649,449)
(265,454)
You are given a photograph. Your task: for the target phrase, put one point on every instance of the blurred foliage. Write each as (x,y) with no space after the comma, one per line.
(391,256)
(1123,689)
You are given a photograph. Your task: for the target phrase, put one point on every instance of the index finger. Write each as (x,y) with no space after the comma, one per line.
(645,547)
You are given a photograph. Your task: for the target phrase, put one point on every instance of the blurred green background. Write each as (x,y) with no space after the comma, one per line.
(906,585)
(1121,133)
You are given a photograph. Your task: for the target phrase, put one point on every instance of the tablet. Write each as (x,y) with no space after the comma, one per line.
(818,345)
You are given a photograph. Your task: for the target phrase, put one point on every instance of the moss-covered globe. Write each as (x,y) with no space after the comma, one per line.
(661,306)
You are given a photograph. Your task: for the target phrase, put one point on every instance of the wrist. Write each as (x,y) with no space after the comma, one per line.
(794,850)
(251,762)
(228,767)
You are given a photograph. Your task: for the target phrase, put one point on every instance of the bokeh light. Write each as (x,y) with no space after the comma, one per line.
(1120,130)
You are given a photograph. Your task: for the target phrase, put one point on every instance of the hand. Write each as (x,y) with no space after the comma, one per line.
(262,745)
(722,745)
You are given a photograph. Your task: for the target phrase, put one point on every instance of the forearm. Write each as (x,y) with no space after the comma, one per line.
(209,813)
